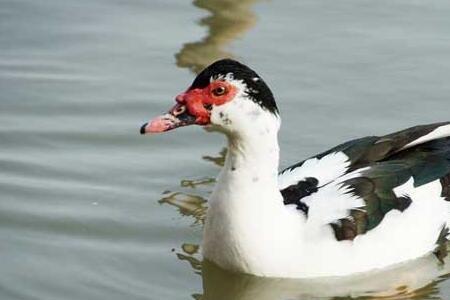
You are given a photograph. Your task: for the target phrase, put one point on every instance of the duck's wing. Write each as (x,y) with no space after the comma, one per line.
(354,185)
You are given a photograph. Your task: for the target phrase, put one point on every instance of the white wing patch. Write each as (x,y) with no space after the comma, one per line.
(440,132)
(325,170)
(332,202)
(427,196)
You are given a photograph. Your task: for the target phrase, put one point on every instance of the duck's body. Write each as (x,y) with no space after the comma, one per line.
(366,204)
(340,214)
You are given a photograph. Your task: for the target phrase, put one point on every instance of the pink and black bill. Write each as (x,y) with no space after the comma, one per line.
(178,116)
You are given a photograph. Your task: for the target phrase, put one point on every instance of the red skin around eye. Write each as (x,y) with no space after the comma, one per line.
(196,99)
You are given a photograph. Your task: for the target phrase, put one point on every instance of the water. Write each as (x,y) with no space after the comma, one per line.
(91,210)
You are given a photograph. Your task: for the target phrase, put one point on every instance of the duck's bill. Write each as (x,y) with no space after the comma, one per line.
(178,116)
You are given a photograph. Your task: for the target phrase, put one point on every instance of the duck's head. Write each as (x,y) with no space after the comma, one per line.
(226,96)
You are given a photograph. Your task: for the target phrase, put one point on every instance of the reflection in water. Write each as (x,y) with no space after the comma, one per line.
(188,203)
(415,280)
(229,20)
(217,160)
(189,254)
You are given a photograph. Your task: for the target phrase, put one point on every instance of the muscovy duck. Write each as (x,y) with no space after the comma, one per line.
(366,204)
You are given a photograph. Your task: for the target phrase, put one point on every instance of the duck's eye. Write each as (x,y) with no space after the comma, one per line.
(219,91)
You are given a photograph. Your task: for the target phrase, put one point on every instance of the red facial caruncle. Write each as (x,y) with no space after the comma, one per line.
(199,101)
(193,107)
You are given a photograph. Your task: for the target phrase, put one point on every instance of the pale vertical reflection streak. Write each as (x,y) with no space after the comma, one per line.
(228,21)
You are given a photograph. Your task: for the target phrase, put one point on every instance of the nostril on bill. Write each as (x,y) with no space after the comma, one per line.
(179,110)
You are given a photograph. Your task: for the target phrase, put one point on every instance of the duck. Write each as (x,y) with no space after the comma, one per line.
(367,204)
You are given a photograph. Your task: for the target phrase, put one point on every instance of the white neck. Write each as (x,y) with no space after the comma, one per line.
(251,164)
(253,157)
(246,203)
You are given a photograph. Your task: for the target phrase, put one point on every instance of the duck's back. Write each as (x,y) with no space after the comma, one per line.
(373,202)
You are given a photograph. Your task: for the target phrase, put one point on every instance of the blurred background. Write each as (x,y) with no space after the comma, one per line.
(91,210)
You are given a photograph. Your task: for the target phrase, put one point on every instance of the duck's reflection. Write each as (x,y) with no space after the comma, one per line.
(415,280)
(228,20)
(188,204)
(190,201)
